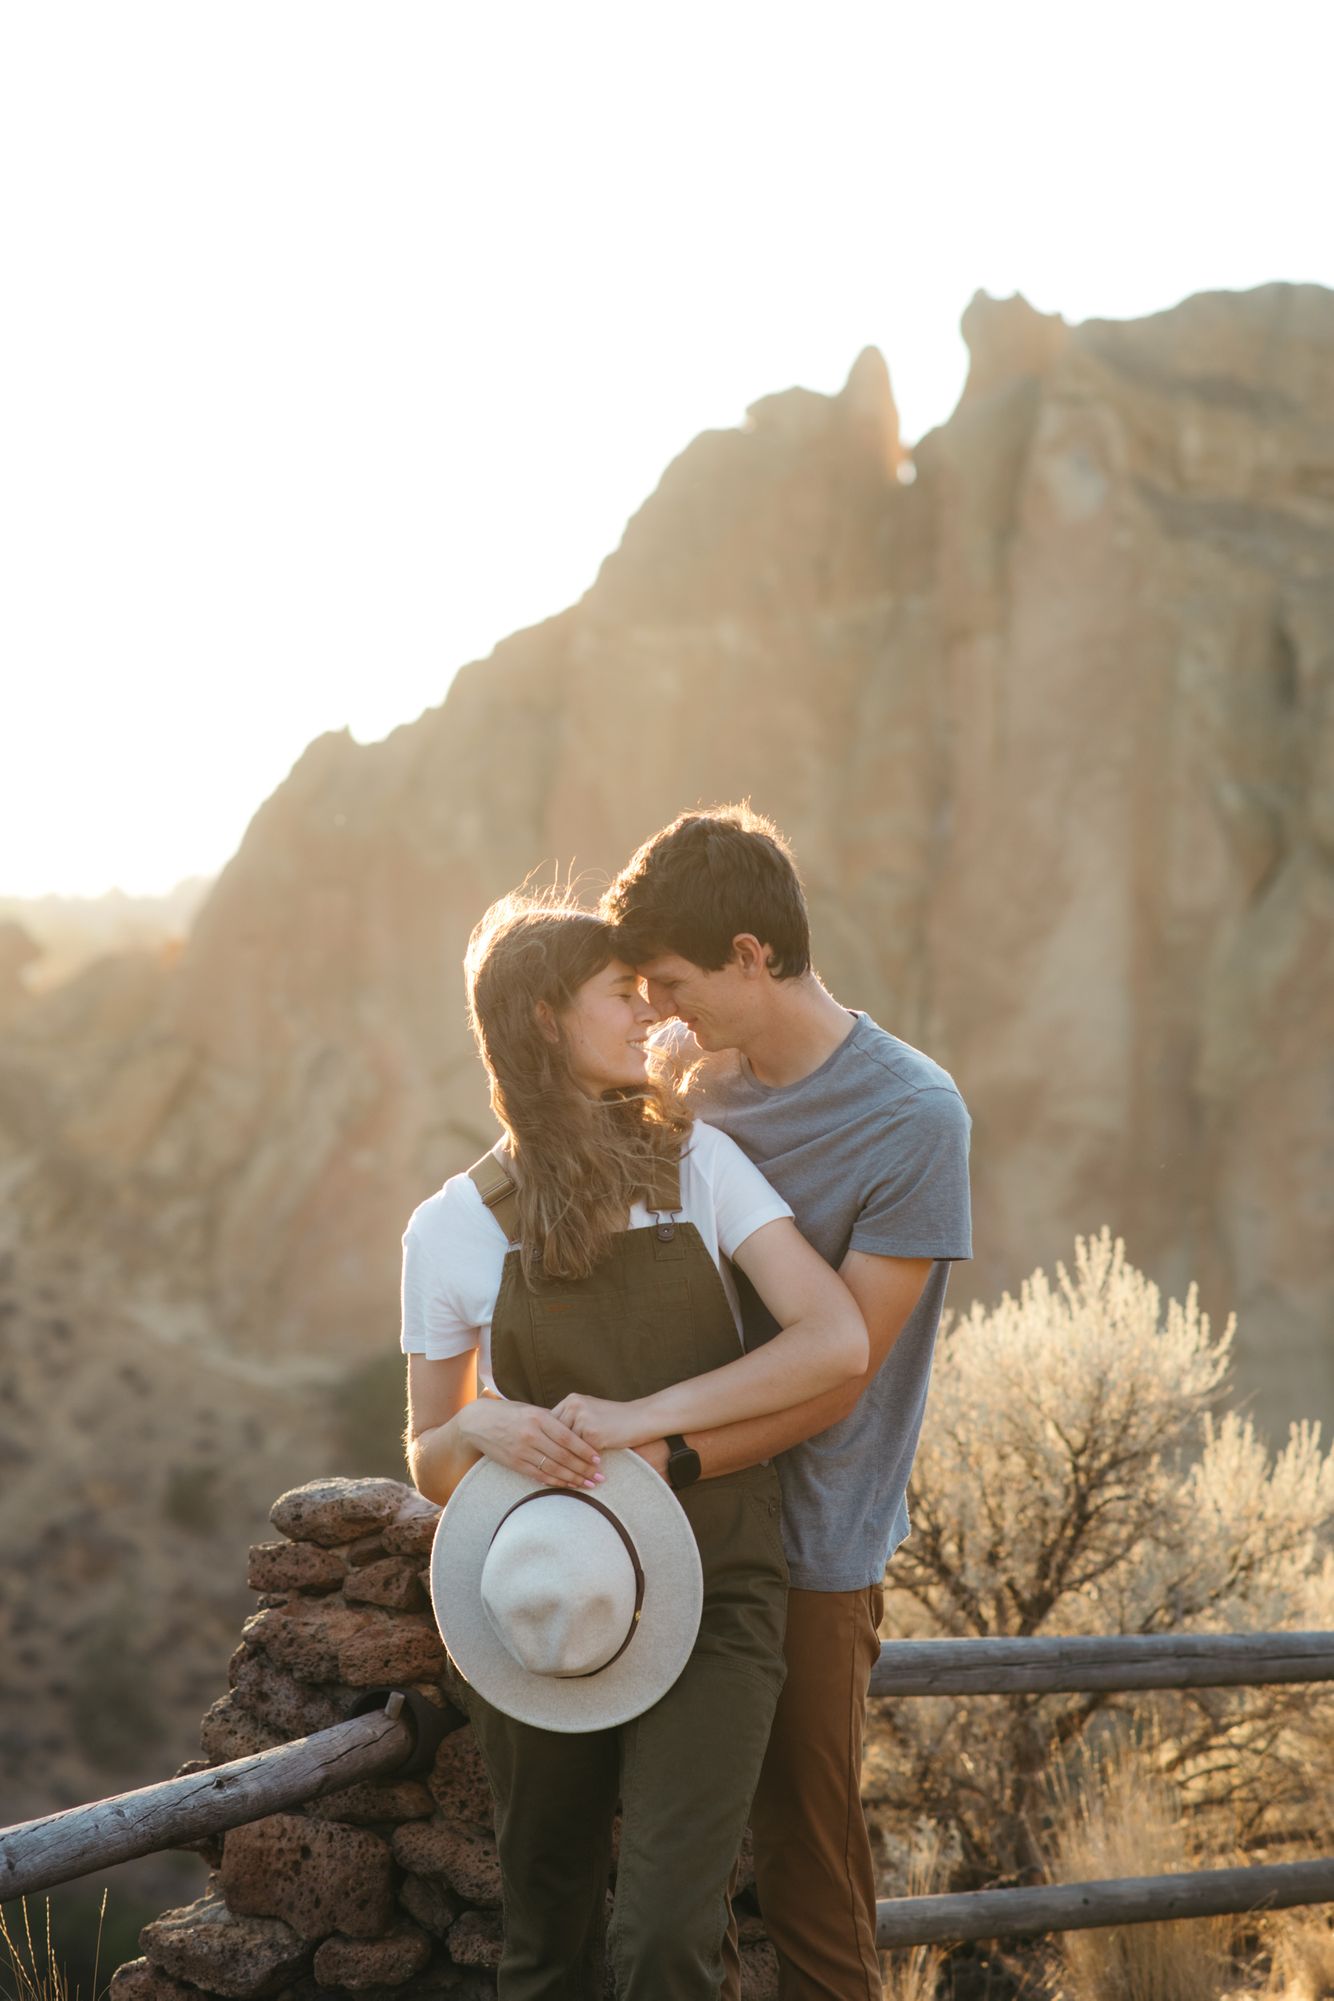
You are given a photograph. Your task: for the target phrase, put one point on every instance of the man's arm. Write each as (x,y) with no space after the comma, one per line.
(886,1290)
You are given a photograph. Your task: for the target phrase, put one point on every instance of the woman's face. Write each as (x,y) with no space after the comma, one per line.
(605,1028)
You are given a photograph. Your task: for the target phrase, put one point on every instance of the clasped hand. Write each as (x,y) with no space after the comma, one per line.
(531,1440)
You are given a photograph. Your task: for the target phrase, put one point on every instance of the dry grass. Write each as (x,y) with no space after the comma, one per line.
(30,1977)
(1119,1816)
(913,1972)
(1301,1946)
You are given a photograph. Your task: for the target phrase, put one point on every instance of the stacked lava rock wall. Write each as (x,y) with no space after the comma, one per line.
(388,1890)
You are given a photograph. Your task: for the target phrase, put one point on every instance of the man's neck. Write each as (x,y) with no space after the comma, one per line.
(804,1027)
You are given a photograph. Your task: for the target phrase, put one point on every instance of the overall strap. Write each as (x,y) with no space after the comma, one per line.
(496,1186)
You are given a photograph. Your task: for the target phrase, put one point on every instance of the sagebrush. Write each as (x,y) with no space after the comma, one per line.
(1077,1474)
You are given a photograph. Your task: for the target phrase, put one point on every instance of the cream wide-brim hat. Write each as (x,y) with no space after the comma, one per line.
(664,1634)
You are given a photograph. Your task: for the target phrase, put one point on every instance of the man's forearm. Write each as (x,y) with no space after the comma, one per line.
(886,1290)
(727,1448)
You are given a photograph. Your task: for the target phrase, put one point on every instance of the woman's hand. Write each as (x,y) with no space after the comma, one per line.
(530,1440)
(606,1425)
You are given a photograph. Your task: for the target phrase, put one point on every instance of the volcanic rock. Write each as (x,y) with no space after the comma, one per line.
(209,1946)
(140,1980)
(476,1939)
(318,1876)
(230,1730)
(283,1703)
(337,1510)
(430,1901)
(294,1566)
(413,1530)
(401,1649)
(463,1857)
(459,1782)
(305,1636)
(759,1972)
(388,1961)
(392,1582)
(372,1803)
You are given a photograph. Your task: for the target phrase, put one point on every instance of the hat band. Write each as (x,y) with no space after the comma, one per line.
(566,1494)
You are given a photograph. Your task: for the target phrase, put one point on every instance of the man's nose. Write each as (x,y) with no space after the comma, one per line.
(659,1003)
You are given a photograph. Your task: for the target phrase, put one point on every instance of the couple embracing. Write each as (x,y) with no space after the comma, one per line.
(688,1303)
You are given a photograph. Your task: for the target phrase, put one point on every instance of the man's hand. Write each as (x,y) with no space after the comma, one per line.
(531,1441)
(654,1450)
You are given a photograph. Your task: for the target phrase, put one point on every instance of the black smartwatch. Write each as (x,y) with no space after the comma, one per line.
(682,1463)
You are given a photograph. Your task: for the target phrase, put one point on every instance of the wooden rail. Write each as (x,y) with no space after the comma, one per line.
(38,1854)
(1123,1900)
(1043,1666)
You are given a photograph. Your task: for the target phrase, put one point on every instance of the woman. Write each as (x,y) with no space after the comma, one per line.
(575,1306)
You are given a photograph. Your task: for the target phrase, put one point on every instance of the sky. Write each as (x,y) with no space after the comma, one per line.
(340,341)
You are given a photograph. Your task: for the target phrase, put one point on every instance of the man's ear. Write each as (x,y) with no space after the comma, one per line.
(749,955)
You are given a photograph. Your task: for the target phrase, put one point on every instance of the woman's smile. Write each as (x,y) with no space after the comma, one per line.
(594,1027)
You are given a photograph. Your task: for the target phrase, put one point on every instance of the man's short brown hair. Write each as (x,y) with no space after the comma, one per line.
(709,877)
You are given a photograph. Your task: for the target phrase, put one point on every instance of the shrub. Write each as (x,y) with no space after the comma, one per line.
(1117,1814)
(1074,1477)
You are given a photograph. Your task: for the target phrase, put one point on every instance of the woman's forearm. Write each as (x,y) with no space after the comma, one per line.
(439,1458)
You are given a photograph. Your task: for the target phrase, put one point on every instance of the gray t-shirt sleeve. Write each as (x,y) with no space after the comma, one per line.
(919,1207)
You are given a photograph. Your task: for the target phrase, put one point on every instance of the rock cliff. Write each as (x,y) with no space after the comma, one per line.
(1048,713)
(1053,731)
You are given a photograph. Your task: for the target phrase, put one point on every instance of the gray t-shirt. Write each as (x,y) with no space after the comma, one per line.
(871,1151)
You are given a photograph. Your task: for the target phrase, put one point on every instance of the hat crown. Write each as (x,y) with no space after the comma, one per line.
(582,1683)
(558,1586)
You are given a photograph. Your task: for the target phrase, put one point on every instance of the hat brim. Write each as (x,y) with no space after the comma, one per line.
(668,1622)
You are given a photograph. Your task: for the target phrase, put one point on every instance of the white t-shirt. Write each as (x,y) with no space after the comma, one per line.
(454,1249)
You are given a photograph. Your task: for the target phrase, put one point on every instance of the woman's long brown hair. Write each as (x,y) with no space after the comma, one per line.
(579,1162)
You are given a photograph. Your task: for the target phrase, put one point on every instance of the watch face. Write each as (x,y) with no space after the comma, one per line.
(683,1466)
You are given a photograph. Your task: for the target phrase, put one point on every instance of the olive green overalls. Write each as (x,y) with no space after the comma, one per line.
(653,1313)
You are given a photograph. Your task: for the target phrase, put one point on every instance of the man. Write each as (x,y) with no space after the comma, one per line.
(867,1139)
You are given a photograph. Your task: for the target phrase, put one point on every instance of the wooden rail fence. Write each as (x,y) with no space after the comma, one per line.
(38,1854)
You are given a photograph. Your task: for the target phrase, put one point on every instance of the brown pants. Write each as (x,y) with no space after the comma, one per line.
(813,1868)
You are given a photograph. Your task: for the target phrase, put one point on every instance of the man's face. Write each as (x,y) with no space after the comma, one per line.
(712,1005)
